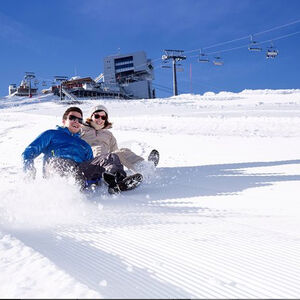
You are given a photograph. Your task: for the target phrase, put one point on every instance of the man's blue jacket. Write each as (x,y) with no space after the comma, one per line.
(59,142)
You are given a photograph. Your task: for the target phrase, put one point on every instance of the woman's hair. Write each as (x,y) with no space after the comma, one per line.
(106,123)
(73,108)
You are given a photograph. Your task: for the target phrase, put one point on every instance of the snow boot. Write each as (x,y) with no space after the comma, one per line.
(154,157)
(130,182)
(117,182)
(111,181)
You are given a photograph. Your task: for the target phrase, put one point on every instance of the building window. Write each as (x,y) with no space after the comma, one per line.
(127,59)
(124,66)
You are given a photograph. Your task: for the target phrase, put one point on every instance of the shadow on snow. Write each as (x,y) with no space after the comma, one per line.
(91,265)
(181,183)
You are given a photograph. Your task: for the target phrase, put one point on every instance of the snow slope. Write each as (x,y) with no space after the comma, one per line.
(219,219)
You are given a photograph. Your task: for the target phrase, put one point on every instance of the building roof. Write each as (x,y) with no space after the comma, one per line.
(79,80)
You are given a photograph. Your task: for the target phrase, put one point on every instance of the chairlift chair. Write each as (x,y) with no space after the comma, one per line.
(203,58)
(272,52)
(253,45)
(166,64)
(218,61)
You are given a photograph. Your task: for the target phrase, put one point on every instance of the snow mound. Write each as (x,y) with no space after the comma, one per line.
(42,203)
(270,92)
(12,101)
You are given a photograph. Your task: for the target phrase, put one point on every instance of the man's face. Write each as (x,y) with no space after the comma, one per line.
(73,121)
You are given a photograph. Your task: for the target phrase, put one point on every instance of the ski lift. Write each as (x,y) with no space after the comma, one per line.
(36,82)
(29,75)
(44,83)
(272,52)
(203,58)
(218,61)
(253,45)
(166,64)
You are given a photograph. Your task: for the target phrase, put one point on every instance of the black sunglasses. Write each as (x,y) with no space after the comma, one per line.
(99,116)
(74,118)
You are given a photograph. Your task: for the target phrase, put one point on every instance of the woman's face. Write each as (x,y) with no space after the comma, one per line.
(99,117)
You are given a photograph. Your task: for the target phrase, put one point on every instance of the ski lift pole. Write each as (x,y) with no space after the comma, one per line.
(28,77)
(175,55)
(29,87)
(175,92)
(60,93)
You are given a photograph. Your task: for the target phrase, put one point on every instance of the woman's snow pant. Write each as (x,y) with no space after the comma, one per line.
(128,158)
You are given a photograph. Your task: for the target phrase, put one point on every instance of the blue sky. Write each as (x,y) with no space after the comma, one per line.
(69,37)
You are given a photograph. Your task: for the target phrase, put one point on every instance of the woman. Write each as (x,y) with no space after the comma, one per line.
(96,133)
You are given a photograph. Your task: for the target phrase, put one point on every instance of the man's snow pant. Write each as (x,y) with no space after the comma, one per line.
(86,172)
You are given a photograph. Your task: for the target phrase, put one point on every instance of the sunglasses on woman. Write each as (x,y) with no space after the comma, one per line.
(74,118)
(99,116)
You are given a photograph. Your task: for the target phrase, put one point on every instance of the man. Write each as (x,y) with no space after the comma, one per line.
(67,154)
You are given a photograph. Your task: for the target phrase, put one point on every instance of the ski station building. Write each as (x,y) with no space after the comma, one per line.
(132,73)
(127,76)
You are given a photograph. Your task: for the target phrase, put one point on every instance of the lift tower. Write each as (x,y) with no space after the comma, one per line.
(175,55)
(60,80)
(28,77)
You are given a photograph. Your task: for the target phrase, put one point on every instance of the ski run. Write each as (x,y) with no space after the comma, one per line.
(218,219)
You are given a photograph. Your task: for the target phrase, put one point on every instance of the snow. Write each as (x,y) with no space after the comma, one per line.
(218,219)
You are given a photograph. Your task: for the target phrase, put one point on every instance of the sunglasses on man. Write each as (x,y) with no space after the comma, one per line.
(74,118)
(99,116)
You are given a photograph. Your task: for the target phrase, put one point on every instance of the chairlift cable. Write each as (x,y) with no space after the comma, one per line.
(245,37)
(262,42)
(280,37)
(227,50)
(219,44)
(244,46)
(277,27)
